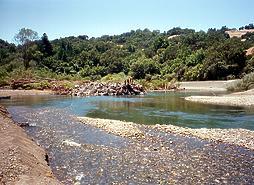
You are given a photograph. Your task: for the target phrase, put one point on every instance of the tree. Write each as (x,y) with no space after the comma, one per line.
(25,38)
(45,46)
(144,66)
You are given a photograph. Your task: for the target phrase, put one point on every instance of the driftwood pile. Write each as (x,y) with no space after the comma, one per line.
(107,89)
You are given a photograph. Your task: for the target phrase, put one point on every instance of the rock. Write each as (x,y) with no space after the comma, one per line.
(106,89)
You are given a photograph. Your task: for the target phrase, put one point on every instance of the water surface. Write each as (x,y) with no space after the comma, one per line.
(154,108)
(104,158)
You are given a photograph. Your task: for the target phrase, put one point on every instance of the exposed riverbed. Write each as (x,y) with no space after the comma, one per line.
(85,154)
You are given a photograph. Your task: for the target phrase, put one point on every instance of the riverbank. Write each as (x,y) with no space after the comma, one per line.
(218,85)
(14,93)
(240,137)
(241,99)
(115,89)
(22,161)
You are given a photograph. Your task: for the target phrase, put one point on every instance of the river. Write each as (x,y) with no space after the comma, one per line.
(154,108)
(81,154)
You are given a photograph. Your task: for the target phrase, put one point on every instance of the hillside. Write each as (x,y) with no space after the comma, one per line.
(239,33)
(151,56)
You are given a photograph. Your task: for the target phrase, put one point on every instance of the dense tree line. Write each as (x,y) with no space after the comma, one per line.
(181,54)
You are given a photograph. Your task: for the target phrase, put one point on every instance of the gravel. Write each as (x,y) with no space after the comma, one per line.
(228,100)
(22,161)
(93,153)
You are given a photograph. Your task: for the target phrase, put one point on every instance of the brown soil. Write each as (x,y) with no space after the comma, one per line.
(238,33)
(250,51)
(22,161)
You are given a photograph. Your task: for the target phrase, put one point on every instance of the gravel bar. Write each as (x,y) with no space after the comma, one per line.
(99,151)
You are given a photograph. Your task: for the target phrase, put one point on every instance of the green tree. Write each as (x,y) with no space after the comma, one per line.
(143,67)
(25,38)
(45,46)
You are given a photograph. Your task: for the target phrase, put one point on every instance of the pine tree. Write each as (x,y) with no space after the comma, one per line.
(46,47)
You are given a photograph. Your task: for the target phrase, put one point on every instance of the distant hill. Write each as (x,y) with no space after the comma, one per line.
(152,56)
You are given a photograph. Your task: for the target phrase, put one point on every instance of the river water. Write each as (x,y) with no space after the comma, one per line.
(154,108)
(81,154)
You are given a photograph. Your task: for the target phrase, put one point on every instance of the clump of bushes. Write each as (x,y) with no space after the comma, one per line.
(117,78)
(156,83)
(41,85)
(246,83)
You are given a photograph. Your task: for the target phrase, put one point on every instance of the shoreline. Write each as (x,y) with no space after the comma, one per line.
(197,86)
(216,85)
(22,161)
(15,93)
(239,137)
(239,99)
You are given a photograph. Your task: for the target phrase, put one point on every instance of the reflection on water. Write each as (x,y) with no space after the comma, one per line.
(154,108)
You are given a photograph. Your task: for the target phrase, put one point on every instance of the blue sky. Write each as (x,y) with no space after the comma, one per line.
(60,18)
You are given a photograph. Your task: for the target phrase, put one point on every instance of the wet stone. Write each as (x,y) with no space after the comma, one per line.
(91,155)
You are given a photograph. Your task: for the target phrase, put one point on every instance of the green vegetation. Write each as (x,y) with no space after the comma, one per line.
(151,57)
(117,78)
(246,83)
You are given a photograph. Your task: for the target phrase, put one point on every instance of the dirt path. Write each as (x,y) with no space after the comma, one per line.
(22,161)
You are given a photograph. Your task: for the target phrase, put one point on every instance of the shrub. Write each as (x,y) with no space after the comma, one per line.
(22,73)
(119,77)
(246,83)
(41,85)
(144,66)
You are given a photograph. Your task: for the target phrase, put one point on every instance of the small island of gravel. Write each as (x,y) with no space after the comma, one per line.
(240,137)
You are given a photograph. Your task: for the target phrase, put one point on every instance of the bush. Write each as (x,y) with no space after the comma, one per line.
(154,84)
(3,82)
(246,83)
(22,73)
(119,77)
(148,77)
(41,85)
(144,66)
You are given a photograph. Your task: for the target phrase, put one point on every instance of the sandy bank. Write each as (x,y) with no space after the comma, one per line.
(244,99)
(22,161)
(219,85)
(240,137)
(10,92)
